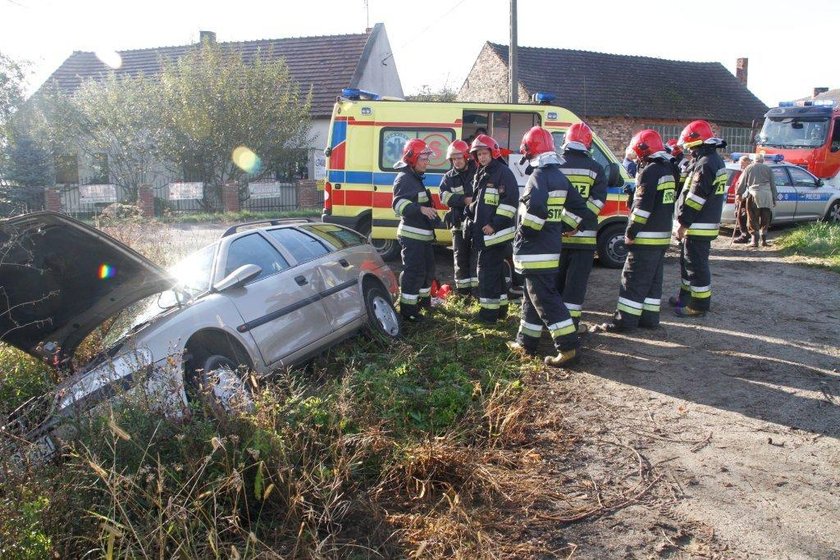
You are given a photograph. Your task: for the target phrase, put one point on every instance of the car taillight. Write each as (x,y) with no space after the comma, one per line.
(730,192)
(327,197)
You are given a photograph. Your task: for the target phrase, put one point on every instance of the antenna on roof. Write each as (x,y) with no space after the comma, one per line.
(367,15)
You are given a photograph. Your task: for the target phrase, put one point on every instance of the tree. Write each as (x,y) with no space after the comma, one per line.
(120,117)
(227,119)
(12,78)
(444,94)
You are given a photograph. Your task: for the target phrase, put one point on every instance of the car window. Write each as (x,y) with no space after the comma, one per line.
(336,236)
(801,178)
(193,272)
(303,247)
(253,249)
(392,140)
(781,177)
(596,152)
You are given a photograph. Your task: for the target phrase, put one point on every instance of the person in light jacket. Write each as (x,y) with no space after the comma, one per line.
(758,183)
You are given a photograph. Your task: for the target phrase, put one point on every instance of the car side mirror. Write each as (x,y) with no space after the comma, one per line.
(238,277)
(820,182)
(614,178)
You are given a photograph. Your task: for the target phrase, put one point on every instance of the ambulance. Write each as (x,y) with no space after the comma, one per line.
(367,134)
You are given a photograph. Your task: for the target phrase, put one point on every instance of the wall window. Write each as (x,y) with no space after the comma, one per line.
(738,138)
(392,140)
(67,169)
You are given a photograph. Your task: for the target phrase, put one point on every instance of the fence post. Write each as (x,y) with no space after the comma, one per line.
(146,200)
(307,194)
(52,199)
(230,197)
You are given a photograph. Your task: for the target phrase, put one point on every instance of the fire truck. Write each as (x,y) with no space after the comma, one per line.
(807,135)
(367,134)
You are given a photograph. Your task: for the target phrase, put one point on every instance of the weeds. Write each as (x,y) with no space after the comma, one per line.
(818,243)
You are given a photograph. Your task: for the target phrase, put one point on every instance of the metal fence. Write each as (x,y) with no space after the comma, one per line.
(87,201)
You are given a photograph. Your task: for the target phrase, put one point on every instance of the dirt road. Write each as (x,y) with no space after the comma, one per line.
(716,437)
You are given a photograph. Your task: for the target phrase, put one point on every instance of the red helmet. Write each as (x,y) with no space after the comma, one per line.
(695,134)
(672,146)
(485,141)
(536,141)
(646,143)
(580,132)
(458,147)
(412,151)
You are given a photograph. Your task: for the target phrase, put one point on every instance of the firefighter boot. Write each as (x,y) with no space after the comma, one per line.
(689,312)
(607,327)
(563,359)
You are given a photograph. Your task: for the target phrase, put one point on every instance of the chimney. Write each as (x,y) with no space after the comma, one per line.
(207,37)
(741,70)
(819,90)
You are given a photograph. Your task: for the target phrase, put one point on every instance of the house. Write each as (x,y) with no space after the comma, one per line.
(617,95)
(324,63)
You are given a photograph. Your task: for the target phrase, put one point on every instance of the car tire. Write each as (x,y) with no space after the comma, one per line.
(832,216)
(222,389)
(383,320)
(388,249)
(611,248)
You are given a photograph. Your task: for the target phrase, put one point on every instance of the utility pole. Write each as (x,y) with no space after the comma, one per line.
(512,58)
(367,15)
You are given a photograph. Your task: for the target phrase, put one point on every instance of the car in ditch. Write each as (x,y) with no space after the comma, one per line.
(264,296)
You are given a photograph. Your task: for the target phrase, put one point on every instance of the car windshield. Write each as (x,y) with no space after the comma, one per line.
(192,274)
(793,133)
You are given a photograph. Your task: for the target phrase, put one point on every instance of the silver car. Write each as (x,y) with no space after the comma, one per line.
(802,196)
(256,300)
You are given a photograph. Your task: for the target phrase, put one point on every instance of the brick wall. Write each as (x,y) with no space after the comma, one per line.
(487,82)
(146,201)
(230,197)
(52,199)
(617,131)
(308,195)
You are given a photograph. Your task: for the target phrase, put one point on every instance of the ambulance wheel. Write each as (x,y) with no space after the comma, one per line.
(388,249)
(611,248)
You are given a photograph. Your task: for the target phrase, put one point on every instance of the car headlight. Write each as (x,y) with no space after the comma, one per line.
(107,378)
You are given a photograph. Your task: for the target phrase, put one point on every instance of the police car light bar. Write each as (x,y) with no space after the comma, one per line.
(775,158)
(543,98)
(786,104)
(357,94)
(824,102)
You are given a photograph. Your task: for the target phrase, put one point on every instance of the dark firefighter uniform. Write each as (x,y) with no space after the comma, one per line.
(416,236)
(699,209)
(454,187)
(549,201)
(590,180)
(649,227)
(496,196)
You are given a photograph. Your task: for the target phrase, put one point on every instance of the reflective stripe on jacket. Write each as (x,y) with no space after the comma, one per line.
(702,197)
(409,195)
(651,219)
(590,179)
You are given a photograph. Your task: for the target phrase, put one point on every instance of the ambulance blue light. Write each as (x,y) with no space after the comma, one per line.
(824,103)
(543,97)
(775,158)
(356,94)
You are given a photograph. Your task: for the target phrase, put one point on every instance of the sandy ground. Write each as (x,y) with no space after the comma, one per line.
(709,438)
(714,437)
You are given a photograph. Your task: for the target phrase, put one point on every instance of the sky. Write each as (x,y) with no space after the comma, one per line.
(791,46)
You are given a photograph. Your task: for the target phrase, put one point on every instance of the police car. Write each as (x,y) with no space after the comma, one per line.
(802,197)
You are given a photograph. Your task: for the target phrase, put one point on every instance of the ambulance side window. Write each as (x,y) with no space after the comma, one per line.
(392,140)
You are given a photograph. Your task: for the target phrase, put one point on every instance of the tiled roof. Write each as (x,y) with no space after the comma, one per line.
(327,63)
(599,84)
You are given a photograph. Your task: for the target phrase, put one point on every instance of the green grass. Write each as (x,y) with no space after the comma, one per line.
(331,451)
(818,243)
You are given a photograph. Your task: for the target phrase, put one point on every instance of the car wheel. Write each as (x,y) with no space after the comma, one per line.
(382,317)
(833,214)
(611,248)
(222,388)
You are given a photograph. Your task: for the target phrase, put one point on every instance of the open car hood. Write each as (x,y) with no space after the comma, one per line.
(60,279)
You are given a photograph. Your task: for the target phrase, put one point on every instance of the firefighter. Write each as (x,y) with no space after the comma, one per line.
(698,214)
(647,237)
(589,178)
(680,163)
(491,214)
(456,193)
(413,204)
(549,201)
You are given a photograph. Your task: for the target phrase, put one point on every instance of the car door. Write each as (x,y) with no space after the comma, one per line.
(280,308)
(811,197)
(339,270)
(786,201)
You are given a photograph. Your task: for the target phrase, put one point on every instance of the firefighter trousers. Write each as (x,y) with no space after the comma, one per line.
(640,294)
(542,306)
(696,278)
(466,261)
(492,291)
(418,260)
(575,266)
